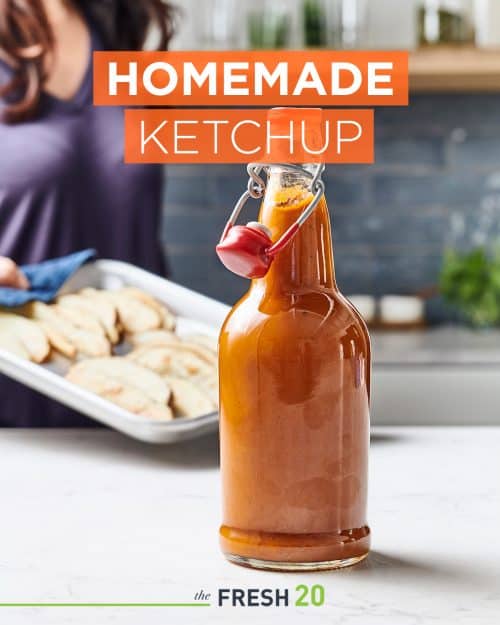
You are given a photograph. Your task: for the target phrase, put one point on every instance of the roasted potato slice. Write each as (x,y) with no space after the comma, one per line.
(167,317)
(173,360)
(210,385)
(87,343)
(134,315)
(29,333)
(209,342)
(115,385)
(157,338)
(81,312)
(206,354)
(12,344)
(105,311)
(58,341)
(188,400)
(153,337)
(117,370)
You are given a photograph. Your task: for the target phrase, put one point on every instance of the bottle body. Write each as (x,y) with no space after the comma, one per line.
(294,403)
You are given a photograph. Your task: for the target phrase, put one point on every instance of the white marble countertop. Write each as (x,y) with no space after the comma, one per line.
(90,516)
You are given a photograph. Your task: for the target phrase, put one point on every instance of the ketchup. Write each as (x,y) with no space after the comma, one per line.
(294,402)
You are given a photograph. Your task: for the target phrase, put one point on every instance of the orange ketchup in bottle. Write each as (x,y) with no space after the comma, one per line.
(294,365)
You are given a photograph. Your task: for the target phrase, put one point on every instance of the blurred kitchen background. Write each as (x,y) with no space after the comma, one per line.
(417,234)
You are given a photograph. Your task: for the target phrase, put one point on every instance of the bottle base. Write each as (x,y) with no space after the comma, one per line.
(269,565)
(295,552)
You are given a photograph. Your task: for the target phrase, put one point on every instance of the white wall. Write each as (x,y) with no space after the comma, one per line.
(185,36)
(488,22)
(391,23)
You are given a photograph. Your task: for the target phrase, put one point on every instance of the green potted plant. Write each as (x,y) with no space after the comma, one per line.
(314,23)
(269,27)
(470,282)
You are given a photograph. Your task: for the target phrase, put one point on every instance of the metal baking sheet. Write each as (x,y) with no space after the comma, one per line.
(195,314)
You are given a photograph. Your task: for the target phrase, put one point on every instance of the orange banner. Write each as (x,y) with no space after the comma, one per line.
(239,136)
(251,78)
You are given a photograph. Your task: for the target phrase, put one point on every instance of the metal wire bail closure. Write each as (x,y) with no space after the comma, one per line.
(256,188)
(249,250)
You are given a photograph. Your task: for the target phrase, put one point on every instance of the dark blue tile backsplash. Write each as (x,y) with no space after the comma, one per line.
(436,182)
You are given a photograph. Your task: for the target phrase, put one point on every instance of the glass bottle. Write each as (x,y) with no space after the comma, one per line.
(294,402)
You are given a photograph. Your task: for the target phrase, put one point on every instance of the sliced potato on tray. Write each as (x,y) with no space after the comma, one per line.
(121,369)
(12,344)
(29,333)
(87,343)
(164,338)
(162,375)
(173,360)
(126,384)
(134,315)
(82,313)
(167,318)
(81,320)
(210,385)
(202,352)
(105,311)
(209,342)
(58,341)
(193,379)
(188,400)
(153,337)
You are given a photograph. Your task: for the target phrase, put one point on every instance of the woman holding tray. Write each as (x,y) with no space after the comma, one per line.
(63,184)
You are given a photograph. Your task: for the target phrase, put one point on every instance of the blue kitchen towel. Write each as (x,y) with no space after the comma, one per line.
(45,279)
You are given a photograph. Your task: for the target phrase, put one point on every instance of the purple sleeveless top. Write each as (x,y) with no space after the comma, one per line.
(64,187)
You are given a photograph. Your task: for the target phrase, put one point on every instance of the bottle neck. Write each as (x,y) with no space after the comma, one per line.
(307,261)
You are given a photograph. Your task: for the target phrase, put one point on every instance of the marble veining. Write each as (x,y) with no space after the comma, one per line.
(91,516)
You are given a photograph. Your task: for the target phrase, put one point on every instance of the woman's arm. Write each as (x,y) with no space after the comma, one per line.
(11,275)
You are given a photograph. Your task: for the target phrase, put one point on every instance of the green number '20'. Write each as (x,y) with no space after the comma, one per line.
(316,593)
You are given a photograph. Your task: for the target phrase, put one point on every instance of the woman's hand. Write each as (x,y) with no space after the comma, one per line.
(11,275)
